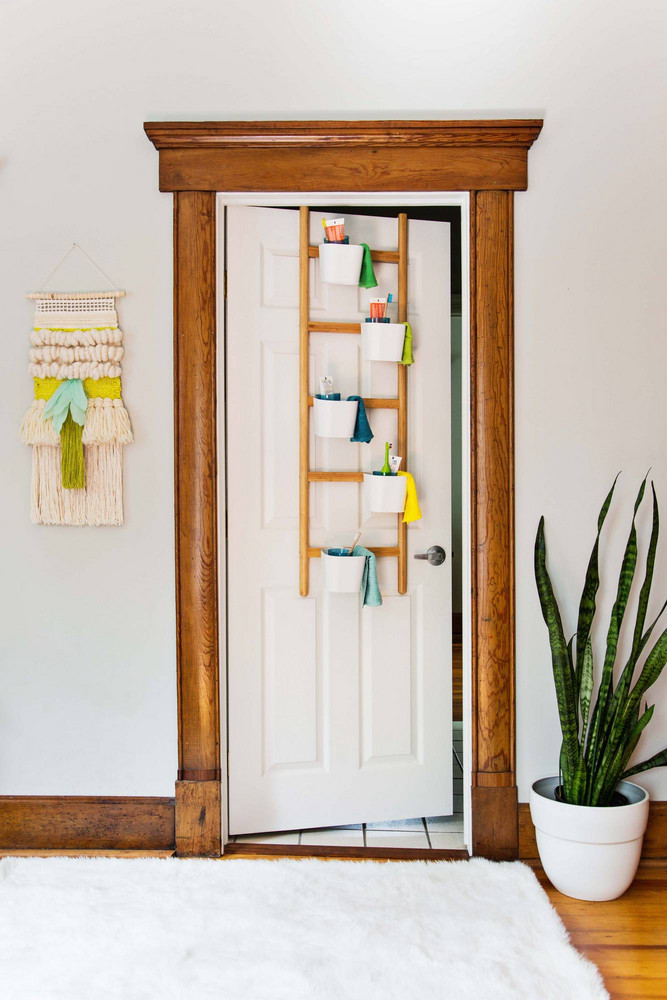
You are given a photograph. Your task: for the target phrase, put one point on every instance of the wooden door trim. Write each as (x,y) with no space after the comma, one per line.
(486,158)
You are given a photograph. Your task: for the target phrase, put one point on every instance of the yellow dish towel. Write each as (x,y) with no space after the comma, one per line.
(412,511)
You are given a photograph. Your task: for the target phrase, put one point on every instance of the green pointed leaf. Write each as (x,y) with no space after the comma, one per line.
(586,689)
(657,760)
(591,585)
(601,711)
(563,679)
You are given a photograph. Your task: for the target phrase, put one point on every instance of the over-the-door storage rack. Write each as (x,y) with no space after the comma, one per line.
(306,327)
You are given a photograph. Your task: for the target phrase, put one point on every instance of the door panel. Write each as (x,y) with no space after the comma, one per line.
(337,714)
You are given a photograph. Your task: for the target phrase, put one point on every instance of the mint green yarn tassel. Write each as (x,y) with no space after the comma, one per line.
(69,397)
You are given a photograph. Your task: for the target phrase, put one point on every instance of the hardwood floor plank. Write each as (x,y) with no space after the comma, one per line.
(626,937)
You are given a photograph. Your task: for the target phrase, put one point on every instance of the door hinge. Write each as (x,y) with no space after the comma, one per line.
(225,285)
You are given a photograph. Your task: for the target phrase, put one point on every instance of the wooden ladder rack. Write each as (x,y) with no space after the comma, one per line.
(306,327)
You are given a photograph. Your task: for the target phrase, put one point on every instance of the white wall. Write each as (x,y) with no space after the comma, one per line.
(87,690)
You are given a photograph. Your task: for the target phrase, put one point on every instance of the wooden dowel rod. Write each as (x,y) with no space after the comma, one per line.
(381,256)
(373,403)
(334,327)
(402,394)
(382,551)
(304,436)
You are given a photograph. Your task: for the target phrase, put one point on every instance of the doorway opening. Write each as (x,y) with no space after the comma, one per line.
(443,832)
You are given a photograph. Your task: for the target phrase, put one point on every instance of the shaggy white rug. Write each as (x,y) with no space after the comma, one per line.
(92,928)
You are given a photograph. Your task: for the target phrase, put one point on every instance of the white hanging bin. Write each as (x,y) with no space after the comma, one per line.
(385,494)
(335,418)
(340,263)
(342,573)
(382,341)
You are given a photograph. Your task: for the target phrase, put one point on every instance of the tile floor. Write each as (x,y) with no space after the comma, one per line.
(438,832)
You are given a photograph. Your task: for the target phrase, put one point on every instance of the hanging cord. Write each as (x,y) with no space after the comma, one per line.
(40,293)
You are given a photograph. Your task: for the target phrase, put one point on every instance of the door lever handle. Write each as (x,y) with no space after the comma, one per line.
(436,555)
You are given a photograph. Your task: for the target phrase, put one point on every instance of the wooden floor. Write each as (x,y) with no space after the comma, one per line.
(626,938)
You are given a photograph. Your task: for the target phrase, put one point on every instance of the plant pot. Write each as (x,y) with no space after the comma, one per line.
(589,852)
(340,263)
(382,341)
(335,418)
(342,573)
(385,494)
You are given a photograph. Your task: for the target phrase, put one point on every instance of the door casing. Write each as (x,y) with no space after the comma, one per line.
(487,159)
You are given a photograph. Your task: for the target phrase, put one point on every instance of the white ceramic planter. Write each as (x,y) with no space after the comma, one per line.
(335,418)
(340,263)
(589,852)
(342,574)
(385,494)
(382,341)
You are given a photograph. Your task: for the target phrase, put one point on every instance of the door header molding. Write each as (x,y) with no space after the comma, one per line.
(415,133)
(369,155)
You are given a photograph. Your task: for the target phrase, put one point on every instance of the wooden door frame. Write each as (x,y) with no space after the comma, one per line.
(489,160)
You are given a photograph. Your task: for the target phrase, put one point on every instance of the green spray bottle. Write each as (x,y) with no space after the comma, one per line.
(386,468)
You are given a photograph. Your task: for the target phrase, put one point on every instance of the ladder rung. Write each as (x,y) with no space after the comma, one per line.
(334,328)
(335,477)
(387,550)
(373,403)
(381,256)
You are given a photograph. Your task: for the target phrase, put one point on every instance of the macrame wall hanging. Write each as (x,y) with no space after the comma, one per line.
(77,424)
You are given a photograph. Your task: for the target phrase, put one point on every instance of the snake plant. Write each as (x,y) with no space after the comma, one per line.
(601,734)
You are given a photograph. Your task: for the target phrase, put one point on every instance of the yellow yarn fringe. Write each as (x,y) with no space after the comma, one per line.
(101,502)
(104,388)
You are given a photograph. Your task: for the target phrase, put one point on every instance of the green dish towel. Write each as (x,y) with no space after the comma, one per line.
(367,277)
(370,591)
(407,358)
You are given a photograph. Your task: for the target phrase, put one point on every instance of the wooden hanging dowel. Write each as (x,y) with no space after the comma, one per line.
(380,256)
(304,436)
(403,395)
(334,328)
(373,403)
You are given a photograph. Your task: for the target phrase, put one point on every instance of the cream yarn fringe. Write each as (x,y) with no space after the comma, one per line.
(66,355)
(78,369)
(76,338)
(107,422)
(101,502)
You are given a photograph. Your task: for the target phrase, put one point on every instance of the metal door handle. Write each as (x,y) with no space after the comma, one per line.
(436,555)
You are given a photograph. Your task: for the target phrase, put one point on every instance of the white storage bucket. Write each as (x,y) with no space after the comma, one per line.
(335,418)
(382,341)
(385,494)
(342,573)
(340,263)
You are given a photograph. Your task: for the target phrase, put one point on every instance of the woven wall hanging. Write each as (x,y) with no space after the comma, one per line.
(77,424)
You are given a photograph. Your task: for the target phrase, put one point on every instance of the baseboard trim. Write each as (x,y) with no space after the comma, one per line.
(655,839)
(71,822)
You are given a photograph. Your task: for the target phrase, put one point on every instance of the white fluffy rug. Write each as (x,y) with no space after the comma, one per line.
(88,929)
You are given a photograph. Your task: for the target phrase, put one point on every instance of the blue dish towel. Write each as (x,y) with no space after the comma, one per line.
(370,591)
(362,429)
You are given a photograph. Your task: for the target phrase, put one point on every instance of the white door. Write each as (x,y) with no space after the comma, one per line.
(338,714)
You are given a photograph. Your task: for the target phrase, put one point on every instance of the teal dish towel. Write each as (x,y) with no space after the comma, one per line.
(362,429)
(370,591)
